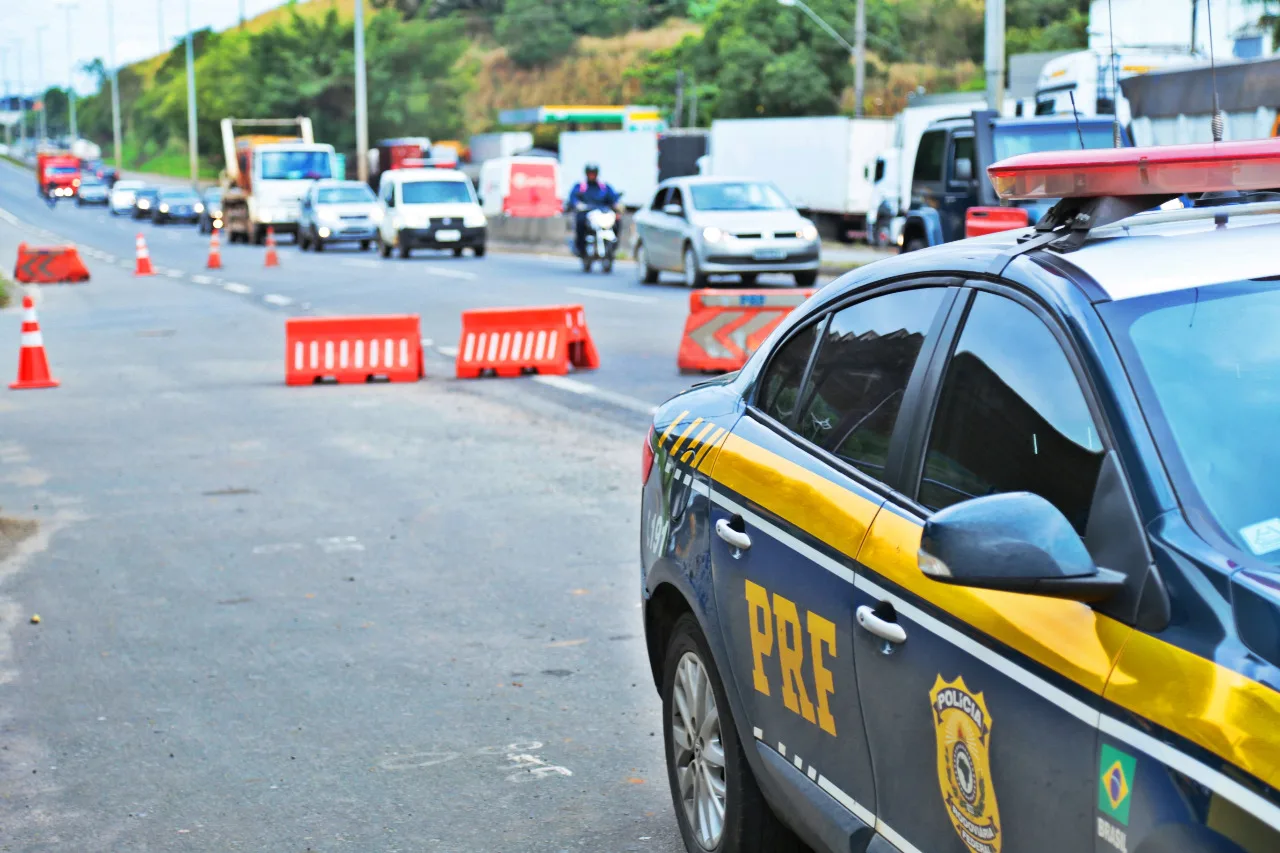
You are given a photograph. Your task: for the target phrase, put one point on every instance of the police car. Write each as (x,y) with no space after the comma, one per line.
(981,550)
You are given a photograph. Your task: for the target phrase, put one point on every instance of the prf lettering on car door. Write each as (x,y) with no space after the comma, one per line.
(775,627)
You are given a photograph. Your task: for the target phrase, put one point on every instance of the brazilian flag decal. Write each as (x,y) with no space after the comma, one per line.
(1115,783)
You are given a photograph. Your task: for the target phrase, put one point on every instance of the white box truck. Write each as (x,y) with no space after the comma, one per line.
(820,164)
(628,161)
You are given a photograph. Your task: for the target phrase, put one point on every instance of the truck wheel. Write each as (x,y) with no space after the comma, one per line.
(317,244)
(806,279)
(383,249)
(405,251)
(457,252)
(479,251)
(259,235)
(718,803)
(364,245)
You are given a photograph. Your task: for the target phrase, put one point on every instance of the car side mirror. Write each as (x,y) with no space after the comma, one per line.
(1016,542)
(964,170)
(673,210)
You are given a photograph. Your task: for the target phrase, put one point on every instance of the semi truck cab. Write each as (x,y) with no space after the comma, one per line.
(949,173)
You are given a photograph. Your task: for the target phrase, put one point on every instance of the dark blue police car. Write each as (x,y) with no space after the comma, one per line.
(981,550)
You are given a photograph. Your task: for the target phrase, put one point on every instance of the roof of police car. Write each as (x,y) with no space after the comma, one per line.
(1139,256)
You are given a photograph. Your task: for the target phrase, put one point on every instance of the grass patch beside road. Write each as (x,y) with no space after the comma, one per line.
(6,288)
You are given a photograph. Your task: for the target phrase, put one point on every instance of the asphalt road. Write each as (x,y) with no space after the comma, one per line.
(376,618)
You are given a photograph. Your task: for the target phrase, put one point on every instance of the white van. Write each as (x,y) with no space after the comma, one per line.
(525,187)
(429,209)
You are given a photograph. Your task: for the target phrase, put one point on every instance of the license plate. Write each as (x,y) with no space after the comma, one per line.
(769,254)
(448,236)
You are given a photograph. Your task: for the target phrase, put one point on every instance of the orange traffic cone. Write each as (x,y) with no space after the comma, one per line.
(273,259)
(144,258)
(215,251)
(33,365)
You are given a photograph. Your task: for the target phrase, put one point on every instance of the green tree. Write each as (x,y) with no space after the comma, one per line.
(535,32)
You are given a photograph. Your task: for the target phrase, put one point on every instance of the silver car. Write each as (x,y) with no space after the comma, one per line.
(92,190)
(701,226)
(338,212)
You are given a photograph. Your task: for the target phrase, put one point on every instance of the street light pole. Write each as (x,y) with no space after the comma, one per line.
(115,87)
(22,99)
(71,74)
(44,112)
(856,54)
(191,104)
(160,23)
(995,55)
(362,101)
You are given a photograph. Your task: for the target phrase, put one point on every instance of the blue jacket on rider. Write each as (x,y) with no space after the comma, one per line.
(598,194)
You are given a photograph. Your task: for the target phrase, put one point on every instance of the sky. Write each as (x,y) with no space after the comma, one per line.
(137,30)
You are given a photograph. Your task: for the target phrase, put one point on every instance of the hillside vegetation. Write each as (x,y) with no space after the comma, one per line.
(445,68)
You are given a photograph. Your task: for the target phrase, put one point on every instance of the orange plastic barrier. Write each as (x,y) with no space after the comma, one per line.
(353,349)
(980,221)
(48,266)
(512,341)
(726,326)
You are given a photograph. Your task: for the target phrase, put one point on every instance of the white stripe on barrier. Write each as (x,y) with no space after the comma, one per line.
(32,339)
(541,345)
(359,353)
(297,355)
(493,346)
(528,346)
(343,348)
(373,354)
(551,345)
(468,347)
(388,353)
(315,355)
(328,355)
(404,353)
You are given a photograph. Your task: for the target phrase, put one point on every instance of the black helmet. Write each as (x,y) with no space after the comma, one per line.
(592,167)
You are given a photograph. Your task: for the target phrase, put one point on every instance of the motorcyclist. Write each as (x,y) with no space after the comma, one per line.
(591,194)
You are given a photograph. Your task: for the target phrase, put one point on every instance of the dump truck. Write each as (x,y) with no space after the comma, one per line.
(57,173)
(267,175)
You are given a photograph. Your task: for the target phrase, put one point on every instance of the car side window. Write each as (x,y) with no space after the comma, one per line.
(389,193)
(860,375)
(676,197)
(962,149)
(1011,417)
(929,156)
(780,385)
(659,199)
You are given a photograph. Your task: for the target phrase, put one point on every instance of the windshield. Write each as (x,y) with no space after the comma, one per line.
(1206,365)
(738,195)
(435,192)
(1011,141)
(294,165)
(180,195)
(344,195)
(63,170)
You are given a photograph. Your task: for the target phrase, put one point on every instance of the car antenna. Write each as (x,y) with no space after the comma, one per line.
(1075,112)
(1115,83)
(1217,123)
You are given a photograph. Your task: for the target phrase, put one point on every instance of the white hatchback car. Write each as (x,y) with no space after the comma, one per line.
(123,195)
(429,209)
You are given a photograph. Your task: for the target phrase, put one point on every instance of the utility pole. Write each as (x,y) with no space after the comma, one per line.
(995,55)
(362,100)
(115,86)
(22,99)
(71,74)
(242,13)
(160,24)
(860,58)
(191,104)
(40,83)
(8,93)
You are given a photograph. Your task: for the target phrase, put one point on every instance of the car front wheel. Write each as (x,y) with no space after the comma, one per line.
(719,807)
(645,274)
(693,276)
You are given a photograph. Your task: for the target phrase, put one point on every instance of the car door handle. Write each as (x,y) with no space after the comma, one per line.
(736,538)
(890,631)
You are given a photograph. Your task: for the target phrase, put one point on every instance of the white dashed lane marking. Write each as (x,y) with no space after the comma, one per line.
(277,299)
(235,287)
(609,294)
(202,279)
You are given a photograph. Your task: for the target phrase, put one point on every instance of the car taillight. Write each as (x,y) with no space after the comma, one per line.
(646,458)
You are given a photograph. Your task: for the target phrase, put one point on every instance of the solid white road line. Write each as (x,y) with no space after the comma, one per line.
(277,299)
(234,287)
(609,294)
(573,386)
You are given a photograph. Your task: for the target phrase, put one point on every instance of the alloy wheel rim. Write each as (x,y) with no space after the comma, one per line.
(690,268)
(642,266)
(698,752)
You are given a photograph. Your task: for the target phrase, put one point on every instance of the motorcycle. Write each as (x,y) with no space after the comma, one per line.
(601,242)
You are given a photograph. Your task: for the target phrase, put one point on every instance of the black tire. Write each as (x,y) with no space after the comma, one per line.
(750,826)
(696,278)
(364,245)
(259,235)
(588,261)
(479,251)
(749,279)
(318,245)
(915,244)
(383,249)
(644,273)
(806,279)
(457,252)
(405,251)
(303,242)
(606,264)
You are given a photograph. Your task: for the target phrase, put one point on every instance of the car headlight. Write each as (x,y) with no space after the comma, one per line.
(215,213)
(713,234)
(474,220)
(164,208)
(144,204)
(808,232)
(199,208)
(324,232)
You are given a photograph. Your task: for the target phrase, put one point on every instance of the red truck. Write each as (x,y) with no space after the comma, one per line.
(58,175)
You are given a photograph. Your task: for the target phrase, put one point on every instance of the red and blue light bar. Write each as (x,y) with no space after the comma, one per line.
(1167,170)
